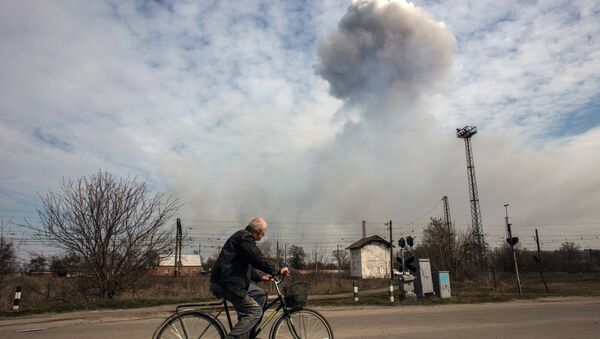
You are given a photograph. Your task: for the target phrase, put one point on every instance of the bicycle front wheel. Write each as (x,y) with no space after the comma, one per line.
(302,324)
(188,325)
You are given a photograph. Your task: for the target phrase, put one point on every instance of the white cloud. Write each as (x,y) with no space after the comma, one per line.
(221,105)
(525,65)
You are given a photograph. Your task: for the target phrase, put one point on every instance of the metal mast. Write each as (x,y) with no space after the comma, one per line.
(447,220)
(466,133)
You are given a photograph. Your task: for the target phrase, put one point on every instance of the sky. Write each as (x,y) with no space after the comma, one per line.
(314,114)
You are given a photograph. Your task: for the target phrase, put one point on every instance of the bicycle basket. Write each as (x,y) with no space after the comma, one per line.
(296,295)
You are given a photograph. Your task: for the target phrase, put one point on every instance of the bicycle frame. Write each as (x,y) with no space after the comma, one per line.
(279,301)
(265,322)
(279,304)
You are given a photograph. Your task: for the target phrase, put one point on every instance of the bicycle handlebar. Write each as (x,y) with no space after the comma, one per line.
(278,279)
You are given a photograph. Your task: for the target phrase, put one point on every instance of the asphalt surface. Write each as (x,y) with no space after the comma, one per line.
(542,318)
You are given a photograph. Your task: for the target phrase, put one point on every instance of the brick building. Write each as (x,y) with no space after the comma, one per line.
(191,264)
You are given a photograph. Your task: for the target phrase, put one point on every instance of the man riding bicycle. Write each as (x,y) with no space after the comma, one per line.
(235,267)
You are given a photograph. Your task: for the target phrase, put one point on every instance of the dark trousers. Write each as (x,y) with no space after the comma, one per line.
(249,310)
(260,296)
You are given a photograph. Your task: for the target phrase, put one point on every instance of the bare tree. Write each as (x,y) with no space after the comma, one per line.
(37,264)
(441,242)
(571,257)
(297,256)
(468,258)
(319,256)
(502,260)
(64,265)
(113,224)
(457,252)
(8,259)
(265,247)
(341,258)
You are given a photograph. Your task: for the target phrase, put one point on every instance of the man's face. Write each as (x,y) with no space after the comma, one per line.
(260,234)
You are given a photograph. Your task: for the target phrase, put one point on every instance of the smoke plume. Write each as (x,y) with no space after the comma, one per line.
(382,61)
(385,48)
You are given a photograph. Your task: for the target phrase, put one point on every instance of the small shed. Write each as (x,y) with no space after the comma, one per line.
(190,265)
(370,258)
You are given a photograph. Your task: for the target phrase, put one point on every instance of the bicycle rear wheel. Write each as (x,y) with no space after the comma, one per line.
(188,325)
(302,324)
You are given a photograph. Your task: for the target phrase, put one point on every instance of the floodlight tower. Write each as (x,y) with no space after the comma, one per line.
(466,133)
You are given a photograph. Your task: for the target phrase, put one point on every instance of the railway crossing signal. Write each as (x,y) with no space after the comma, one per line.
(407,264)
(512,241)
(410,264)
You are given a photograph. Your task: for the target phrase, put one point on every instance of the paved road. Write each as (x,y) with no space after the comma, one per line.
(548,318)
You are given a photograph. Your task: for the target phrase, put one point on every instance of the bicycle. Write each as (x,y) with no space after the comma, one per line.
(293,321)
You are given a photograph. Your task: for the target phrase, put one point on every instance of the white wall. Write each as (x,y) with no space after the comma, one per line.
(375,261)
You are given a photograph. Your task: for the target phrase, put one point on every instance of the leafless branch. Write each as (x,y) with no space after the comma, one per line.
(115,225)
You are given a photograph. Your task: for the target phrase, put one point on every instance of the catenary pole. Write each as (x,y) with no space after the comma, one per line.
(512,248)
(391,252)
(539,261)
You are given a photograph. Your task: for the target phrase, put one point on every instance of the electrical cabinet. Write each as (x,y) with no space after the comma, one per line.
(424,281)
(441,284)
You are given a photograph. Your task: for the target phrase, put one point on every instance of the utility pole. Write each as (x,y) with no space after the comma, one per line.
(176,249)
(539,260)
(511,242)
(337,256)
(175,265)
(537,242)
(391,251)
(180,238)
(277,250)
(180,232)
(364,229)
(285,253)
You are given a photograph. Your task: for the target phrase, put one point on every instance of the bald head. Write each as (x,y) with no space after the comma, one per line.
(258,226)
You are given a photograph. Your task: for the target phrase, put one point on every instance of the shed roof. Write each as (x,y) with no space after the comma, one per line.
(364,241)
(186,260)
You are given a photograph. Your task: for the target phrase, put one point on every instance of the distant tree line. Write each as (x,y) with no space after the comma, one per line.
(450,250)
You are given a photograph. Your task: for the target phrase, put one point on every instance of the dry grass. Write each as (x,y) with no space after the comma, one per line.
(54,294)
(49,292)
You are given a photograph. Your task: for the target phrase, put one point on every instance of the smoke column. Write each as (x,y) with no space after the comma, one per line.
(383,60)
